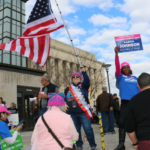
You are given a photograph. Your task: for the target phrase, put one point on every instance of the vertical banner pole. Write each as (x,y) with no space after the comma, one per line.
(69,35)
(101,131)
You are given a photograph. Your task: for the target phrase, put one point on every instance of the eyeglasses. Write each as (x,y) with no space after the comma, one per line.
(75,77)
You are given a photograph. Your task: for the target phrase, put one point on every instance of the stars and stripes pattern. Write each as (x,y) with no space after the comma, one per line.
(35,41)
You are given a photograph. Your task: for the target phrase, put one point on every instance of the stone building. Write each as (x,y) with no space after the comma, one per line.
(20,78)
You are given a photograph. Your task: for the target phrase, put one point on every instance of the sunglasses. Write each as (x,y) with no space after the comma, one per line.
(75,77)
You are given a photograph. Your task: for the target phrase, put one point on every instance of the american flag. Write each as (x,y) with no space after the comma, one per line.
(35,41)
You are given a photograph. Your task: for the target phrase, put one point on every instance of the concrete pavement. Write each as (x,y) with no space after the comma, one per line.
(111,141)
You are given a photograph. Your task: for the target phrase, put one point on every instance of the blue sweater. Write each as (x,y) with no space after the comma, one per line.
(84,89)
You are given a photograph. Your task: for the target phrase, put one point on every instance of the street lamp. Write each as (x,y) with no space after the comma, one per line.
(106,66)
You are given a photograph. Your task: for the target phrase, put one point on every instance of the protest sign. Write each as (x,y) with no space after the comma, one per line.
(13,119)
(16,146)
(129,43)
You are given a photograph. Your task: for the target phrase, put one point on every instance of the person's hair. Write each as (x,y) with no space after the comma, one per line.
(144,80)
(1,114)
(1,99)
(47,77)
(130,72)
(114,94)
(4,102)
(104,88)
(14,106)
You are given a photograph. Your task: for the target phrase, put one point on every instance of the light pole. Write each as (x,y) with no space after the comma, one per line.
(106,66)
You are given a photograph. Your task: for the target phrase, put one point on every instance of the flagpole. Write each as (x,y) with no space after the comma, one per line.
(69,35)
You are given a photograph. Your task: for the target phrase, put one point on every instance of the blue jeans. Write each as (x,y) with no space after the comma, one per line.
(43,111)
(81,119)
(108,121)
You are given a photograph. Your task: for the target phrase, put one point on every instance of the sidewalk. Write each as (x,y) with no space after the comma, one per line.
(111,141)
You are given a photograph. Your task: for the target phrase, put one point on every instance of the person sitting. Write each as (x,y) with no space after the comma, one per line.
(4,130)
(137,115)
(78,106)
(13,108)
(60,123)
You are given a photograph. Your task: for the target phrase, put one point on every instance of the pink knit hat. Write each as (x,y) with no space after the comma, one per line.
(124,64)
(77,74)
(56,99)
(4,109)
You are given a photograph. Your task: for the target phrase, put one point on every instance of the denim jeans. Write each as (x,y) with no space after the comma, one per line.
(124,104)
(108,121)
(81,119)
(43,111)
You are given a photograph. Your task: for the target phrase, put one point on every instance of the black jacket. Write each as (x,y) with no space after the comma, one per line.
(137,115)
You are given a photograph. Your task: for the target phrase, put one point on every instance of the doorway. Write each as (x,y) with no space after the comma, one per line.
(25,107)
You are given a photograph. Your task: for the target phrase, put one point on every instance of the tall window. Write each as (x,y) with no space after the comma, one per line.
(12,23)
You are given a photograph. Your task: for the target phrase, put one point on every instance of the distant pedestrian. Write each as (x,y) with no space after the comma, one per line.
(116,109)
(105,104)
(1,101)
(137,116)
(48,88)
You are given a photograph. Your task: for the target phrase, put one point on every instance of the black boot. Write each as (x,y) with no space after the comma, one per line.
(122,135)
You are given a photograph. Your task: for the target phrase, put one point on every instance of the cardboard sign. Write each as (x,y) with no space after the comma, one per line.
(16,146)
(13,119)
(129,43)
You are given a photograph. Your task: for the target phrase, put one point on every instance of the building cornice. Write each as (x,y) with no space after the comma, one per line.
(23,70)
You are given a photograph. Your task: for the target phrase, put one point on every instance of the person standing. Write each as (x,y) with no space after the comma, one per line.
(1,101)
(128,87)
(60,123)
(137,115)
(35,111)
(116,109)
(48,88)
(105,104)
(78,106)
(13,108)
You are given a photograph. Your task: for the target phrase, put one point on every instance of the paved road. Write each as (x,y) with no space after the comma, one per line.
(111,141)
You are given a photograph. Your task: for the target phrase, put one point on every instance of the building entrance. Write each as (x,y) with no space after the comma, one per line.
(25,107)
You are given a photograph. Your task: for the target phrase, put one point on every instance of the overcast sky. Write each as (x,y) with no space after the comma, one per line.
(93,24)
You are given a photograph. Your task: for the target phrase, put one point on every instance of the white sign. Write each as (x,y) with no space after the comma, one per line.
(29,90)
(13,119)
(33,99)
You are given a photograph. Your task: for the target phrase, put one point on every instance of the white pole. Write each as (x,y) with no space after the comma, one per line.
(69,36)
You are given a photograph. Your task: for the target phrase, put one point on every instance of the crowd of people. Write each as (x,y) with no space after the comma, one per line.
(73,112)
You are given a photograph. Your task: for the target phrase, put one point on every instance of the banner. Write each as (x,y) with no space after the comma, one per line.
(13,119)
(16,146)
(129,43)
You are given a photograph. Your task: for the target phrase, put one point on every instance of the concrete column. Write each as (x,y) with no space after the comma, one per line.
(52,69)
(60,72)
(68,74)
(48,66)
(74,68)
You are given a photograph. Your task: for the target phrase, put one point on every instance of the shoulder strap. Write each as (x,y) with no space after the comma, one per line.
(52,133)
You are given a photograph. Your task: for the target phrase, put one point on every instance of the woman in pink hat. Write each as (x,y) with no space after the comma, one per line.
(128,87)
(4,130)
(60,123)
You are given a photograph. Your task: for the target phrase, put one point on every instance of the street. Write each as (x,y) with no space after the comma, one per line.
(111,141)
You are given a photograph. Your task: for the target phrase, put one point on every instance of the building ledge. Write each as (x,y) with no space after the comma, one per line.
(22,70)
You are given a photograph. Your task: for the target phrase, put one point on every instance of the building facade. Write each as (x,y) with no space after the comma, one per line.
(20,77)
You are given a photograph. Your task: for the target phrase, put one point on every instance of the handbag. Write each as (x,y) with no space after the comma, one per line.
(55,137)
